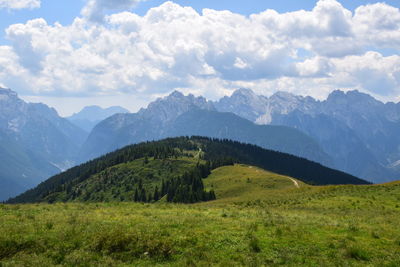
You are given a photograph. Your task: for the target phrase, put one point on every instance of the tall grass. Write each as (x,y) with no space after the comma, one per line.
(268,223)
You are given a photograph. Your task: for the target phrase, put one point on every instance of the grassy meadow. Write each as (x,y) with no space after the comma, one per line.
(259,219)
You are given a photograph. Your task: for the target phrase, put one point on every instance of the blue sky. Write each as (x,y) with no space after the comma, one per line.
(129,60)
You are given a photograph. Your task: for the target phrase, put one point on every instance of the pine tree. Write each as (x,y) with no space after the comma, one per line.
(211,195)
(136,196)
(156,196)
(143,197)
(163,188)
(140,184)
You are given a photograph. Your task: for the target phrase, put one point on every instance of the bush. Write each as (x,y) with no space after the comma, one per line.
(254,244)
(357,253)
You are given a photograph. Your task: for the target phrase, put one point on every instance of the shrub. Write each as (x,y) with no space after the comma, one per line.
(375,235)
(357,253)
(254,244)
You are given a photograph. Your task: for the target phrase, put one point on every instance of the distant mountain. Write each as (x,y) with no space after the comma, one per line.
(89,116)
(34,143)
(171,169)
(228,125)
(177,115)
(360,133)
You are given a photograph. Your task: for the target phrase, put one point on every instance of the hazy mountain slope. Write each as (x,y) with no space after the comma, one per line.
(35,142)
(361,134)
(228,125)
(89,116)
(178,115)
(342,144)
(148,124)
(377,124)
(20,169)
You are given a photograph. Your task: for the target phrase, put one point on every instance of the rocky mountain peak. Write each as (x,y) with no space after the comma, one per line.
(7,92)
(243,92)
(283,95)
(352,96)
(357,102)
(7,95)
(245,103)
(176,94)
(170,107)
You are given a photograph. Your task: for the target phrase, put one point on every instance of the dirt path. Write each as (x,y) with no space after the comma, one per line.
(295,182)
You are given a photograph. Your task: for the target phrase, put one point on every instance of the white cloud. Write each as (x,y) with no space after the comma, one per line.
(306,52)
(371,71)
(95,9)
(19,4)
(378,24)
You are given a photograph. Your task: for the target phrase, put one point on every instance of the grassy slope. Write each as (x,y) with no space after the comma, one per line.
(239,183)
(269,222)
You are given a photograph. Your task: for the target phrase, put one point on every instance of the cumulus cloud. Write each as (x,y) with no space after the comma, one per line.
(210,53)
(95,9)
(19,4)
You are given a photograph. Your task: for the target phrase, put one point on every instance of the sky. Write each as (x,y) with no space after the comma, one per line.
(70,54)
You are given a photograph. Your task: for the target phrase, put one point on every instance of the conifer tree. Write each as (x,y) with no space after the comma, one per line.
(143,197)
(211,195)
(163,188)
(156,196)
(136,196)
(140,184)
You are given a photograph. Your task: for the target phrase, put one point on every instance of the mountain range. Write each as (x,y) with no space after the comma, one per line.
(360,133)
(180,115)
(351,131)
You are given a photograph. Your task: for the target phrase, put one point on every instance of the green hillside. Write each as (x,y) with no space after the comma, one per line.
(240,183)
(172,169)
(259,219)
(137,180)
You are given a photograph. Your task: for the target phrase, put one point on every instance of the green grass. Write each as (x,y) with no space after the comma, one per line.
(259,219)
(241,183)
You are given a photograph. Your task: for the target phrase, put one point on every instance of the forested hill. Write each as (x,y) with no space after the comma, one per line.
(171,169)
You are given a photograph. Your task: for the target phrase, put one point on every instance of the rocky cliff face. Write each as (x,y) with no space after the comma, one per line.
(164,110)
